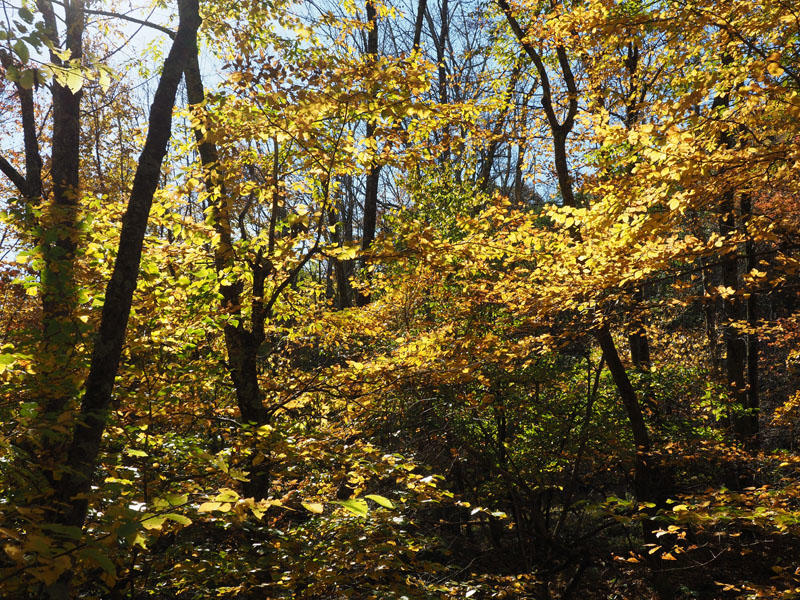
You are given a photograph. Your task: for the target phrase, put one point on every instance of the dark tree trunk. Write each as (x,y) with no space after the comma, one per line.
(370,219)
(753,403)
(637,336)
(242,346)
(710,314)
(60,373)
(562,167)
(649,481)
(735,341)
(611,357)
(637,339)
(422,6)
(518,181)
(85,446)
(560,130)
(29,185)
(343,232)
(484,176)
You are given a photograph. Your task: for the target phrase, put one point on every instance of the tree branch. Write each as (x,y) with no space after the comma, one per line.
(113,15)
(15,176)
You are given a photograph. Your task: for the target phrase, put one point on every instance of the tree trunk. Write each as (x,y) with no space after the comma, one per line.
(560,130)
(752,335)
(484,176)
(242,346)
(649,483)
(374,173)
(60,374)
(637,339)
(83,451)
(422,6)
(735,342)
(710,314)
(342,269)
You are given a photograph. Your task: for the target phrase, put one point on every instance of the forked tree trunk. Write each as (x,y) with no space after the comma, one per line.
(560,129)
(647,481)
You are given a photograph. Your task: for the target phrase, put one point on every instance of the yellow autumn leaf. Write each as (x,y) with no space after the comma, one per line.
(774,69)
(313,507)
(209,507)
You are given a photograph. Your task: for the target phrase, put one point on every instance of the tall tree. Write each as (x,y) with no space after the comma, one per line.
(370,218)
(82,453)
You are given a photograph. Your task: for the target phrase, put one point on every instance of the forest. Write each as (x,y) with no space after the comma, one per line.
(399,299)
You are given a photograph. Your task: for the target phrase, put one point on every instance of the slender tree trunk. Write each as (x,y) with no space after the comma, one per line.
(710,314)
(60,373)
(560,129)
(637,339)
(484,176)
(518,181)
(341,268)
(422,6)
(649,482)
(242,345)
(83,451)
(374,172)
(753,403)
(735,341)
(637,336)
(29,185)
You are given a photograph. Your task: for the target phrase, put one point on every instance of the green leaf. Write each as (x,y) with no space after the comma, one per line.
(28,410)
(179,519)
(21,50)
(101,559)
(26,15)
(176,499)
(27,79)
(68,531)
(313,507)
(384,502)
(358,507)
(154,522)
(127,530)
(12,73)
(226,495)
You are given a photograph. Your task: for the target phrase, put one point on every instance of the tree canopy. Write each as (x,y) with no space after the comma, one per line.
(399,300)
